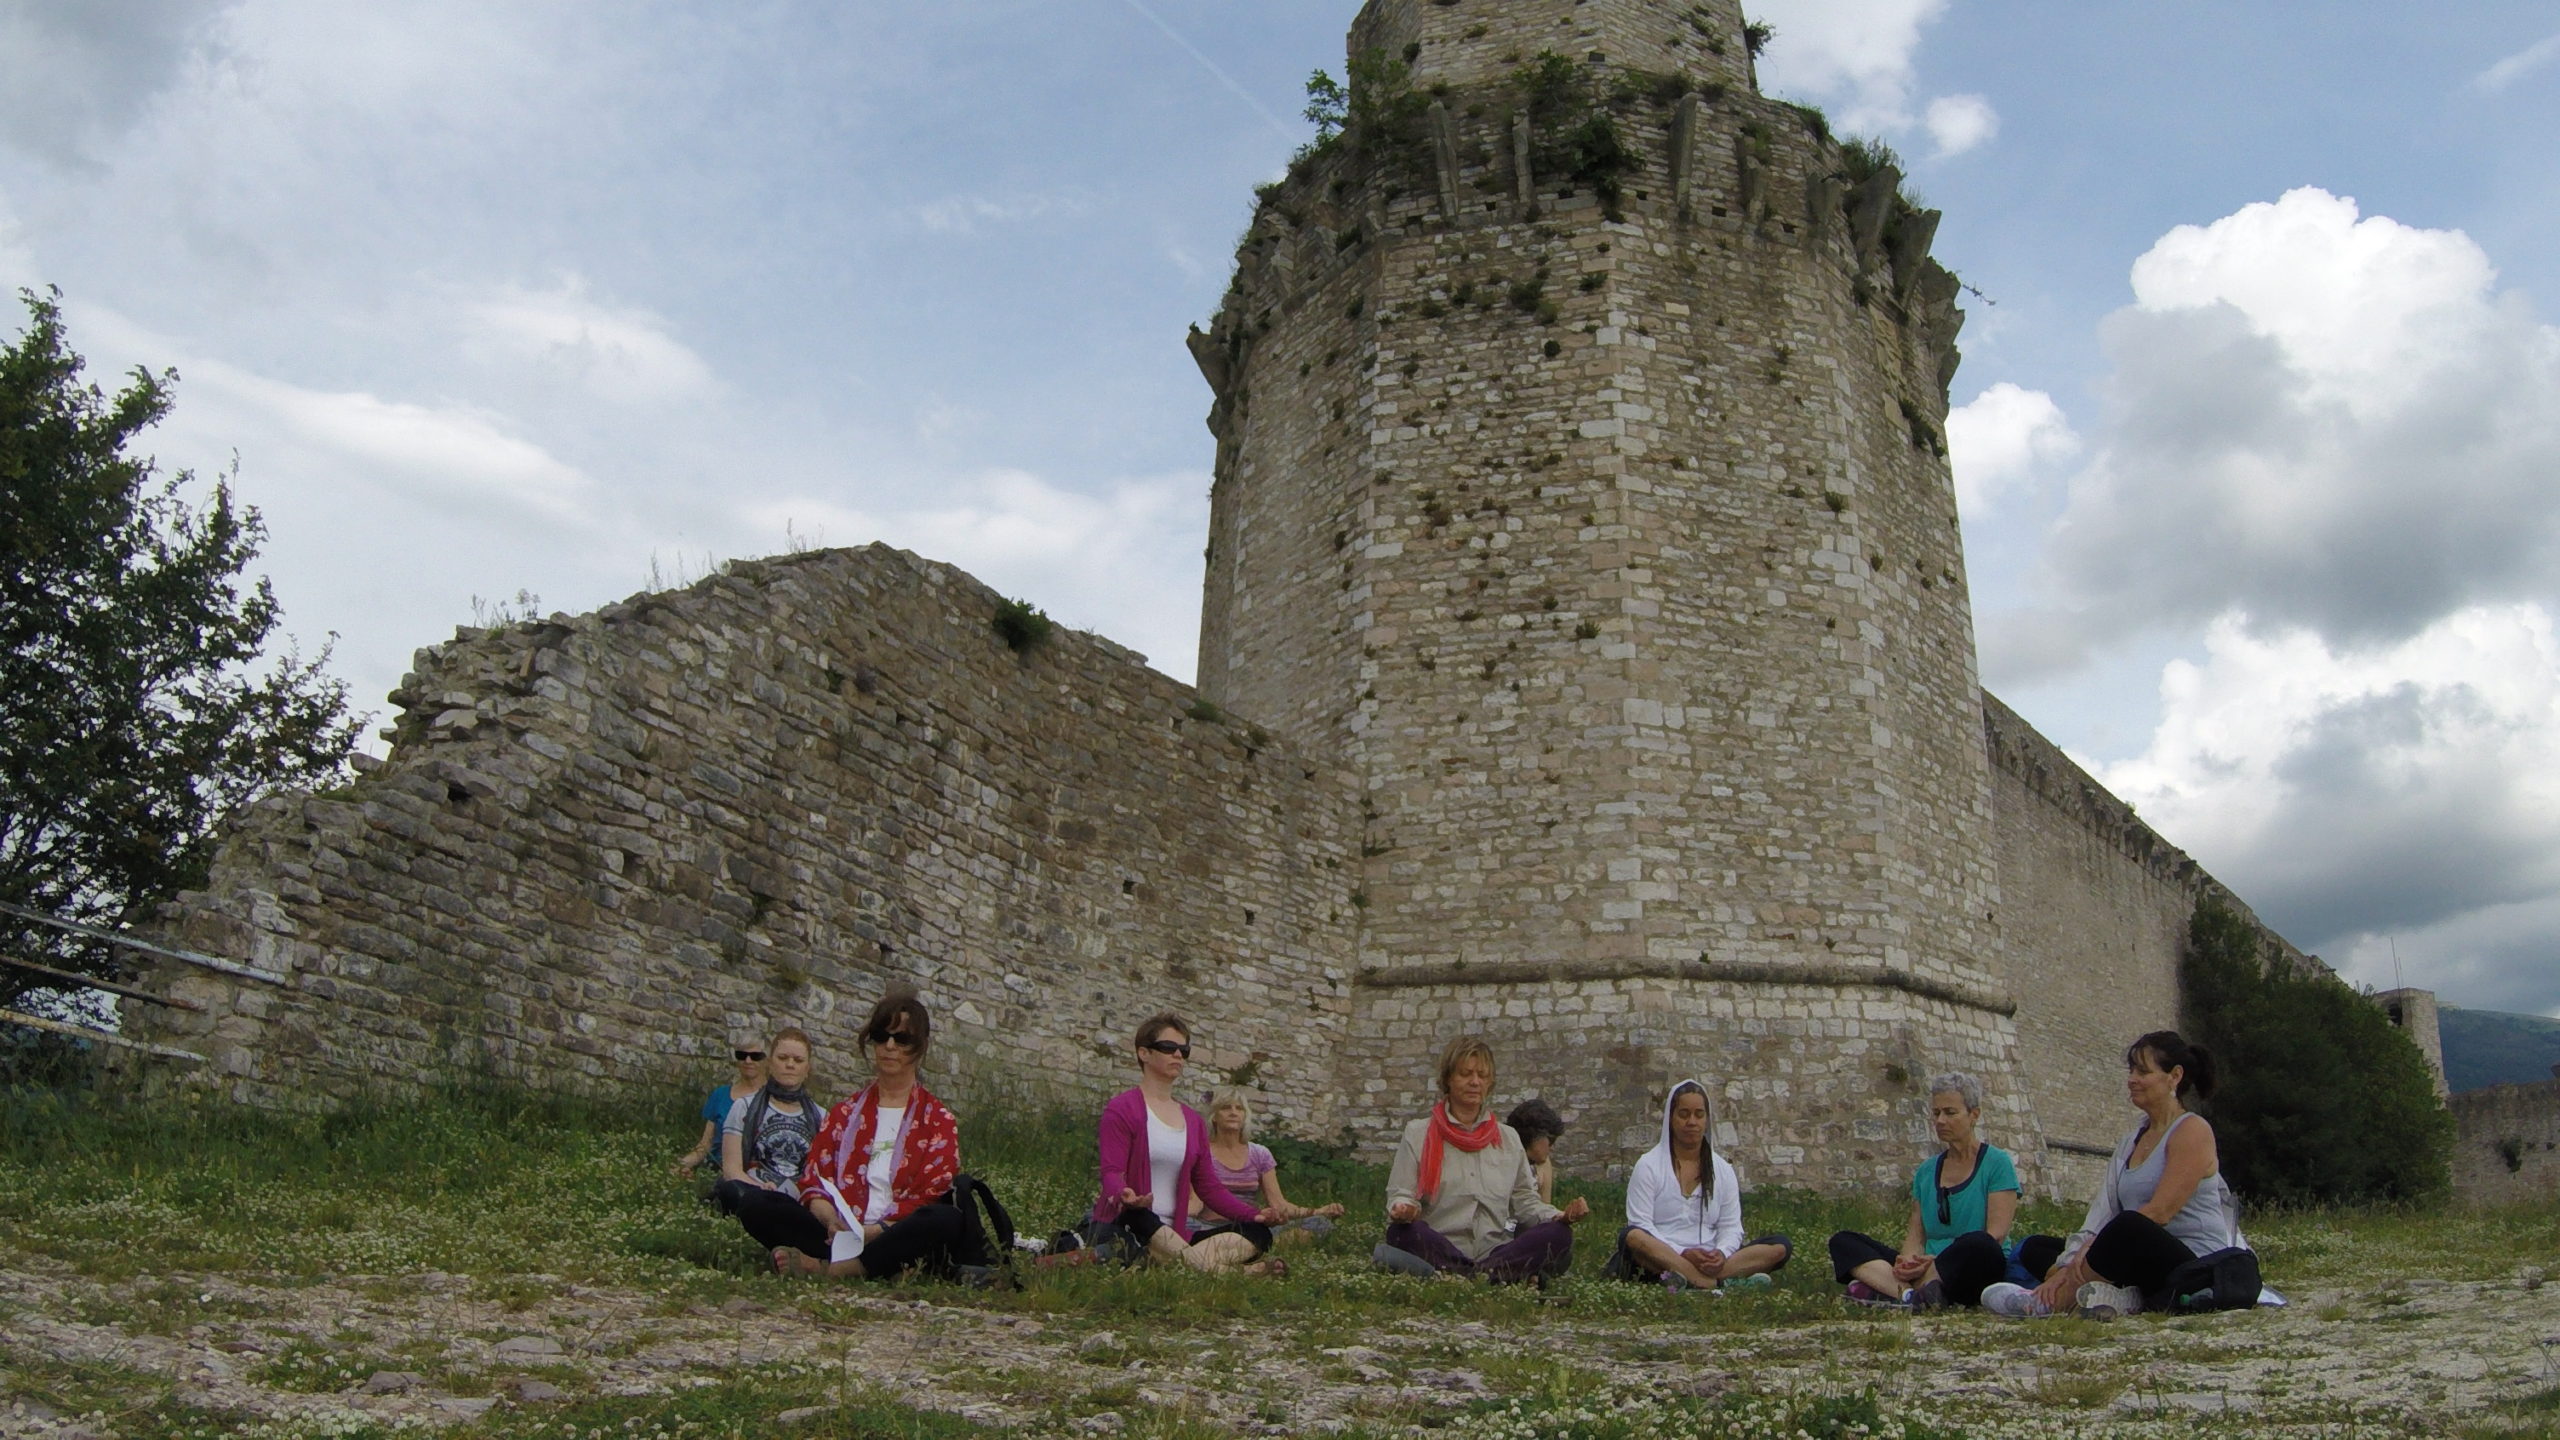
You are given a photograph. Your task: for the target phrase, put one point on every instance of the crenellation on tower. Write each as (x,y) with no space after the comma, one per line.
(1470,42)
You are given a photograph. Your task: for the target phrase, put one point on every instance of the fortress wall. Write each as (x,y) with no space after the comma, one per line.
(1460,41)
(2507,1145)
(602,846)
(2094,909)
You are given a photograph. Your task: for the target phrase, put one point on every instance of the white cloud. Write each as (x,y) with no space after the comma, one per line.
(1960,122)
(2002,437)
(623,355)
(1124,563)
(2355,793)
(1856,54)
(967,214)
(2517,66)
(2320,420)
(440,456)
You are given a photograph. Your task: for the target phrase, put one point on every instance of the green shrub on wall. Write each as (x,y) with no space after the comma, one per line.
(2323,1100)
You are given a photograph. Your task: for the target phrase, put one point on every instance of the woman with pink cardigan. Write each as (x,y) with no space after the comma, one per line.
(1155,1157)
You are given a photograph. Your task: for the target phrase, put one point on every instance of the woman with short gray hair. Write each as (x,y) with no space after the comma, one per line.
(1963,1201)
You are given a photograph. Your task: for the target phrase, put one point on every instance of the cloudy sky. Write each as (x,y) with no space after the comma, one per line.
(2259,449)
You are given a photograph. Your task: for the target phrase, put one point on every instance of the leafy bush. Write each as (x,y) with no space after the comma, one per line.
(2323,1100)
(1022,626)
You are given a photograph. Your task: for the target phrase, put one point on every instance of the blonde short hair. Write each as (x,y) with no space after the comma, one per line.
(1459,1052)
(1237,1096)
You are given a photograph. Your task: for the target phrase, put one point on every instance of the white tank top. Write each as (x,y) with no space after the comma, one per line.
(1166,1145)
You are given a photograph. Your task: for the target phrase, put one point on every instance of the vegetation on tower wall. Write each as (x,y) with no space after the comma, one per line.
(2322,1100)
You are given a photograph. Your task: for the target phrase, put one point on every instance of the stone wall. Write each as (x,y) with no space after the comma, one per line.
(1607,532)
(2507,1144)
(2094,911)
(602,846)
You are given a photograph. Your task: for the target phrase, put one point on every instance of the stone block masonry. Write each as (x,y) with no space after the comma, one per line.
(602,846)
(2507,1144)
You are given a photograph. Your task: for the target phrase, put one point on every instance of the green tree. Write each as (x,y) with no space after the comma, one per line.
(138,710)
(2322,1100)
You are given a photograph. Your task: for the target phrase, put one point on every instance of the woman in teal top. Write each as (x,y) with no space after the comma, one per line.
(1962,1203)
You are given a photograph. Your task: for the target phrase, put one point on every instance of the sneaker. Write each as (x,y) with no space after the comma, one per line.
(1926,1296)
(1676,1284)
(1317,1225)
(1862,1293)
(2099,1300)
(1402,1262)
(1750,1282)
(2017,1302)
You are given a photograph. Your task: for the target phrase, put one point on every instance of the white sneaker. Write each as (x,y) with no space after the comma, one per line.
(2099,1300)
(2017,1302)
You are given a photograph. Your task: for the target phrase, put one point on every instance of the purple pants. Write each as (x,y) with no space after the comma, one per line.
(1538,1250)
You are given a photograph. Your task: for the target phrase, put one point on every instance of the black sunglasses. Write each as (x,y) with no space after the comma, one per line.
(903,1039)
(1170,1047)
(748,1054)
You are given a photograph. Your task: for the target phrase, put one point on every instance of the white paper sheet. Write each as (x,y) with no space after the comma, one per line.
(848,1241)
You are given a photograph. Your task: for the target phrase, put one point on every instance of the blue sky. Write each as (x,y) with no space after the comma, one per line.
(2258,445)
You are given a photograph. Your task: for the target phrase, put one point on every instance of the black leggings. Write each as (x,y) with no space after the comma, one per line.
(775,1220)
(932,1235)
(1970,1264)
(1142,1225)
(2134,1251)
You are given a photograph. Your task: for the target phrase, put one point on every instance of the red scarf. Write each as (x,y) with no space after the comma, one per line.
(1444,1131)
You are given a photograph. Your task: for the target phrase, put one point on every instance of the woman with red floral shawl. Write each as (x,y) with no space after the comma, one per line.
(1461,1196)
(884,1162)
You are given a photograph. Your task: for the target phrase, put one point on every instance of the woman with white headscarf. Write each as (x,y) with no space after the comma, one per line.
(1684,1209)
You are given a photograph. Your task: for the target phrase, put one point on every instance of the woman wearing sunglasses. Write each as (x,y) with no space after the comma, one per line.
(716,1106)
(1155,1158)
(1963,1201)
(763,1141)
(878,1181)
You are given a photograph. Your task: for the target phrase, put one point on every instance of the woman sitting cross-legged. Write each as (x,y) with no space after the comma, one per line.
(716,1106)
(1247,1170)
(1461,1198)
(1148,1138)
(2163,1201)
(1684,1209)
(763,1141)
(1962,1204)
(884,1163)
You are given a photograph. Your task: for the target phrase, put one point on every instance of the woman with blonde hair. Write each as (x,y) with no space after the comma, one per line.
(1246,1169)
(764,1139)
(715,1107)
(1461,1197)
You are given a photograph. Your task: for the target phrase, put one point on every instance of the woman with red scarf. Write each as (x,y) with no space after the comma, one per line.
(1461,1196)
(880,1175)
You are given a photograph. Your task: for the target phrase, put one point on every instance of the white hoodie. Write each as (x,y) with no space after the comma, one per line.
(1684,1222)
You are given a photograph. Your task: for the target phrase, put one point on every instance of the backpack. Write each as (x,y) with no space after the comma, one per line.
(986,1229)
(2227,1279)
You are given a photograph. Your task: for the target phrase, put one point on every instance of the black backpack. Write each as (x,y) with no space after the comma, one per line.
(986,1230)
(2224,1280)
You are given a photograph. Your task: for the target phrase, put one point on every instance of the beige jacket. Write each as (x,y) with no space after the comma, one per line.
(1482,1196)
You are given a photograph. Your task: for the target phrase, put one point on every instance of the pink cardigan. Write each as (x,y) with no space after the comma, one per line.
(1125,1164)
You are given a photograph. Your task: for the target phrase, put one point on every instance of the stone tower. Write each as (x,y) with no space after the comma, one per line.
(1581,482)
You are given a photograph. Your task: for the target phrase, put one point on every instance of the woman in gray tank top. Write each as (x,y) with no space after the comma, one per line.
(2163,1201)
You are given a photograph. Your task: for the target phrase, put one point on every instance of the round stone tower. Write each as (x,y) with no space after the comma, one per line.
(1581,481)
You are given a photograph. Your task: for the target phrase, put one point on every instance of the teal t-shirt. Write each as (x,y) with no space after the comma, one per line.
(1965,1206)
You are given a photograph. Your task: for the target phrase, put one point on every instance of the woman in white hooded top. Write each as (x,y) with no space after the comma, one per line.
(1684,1209)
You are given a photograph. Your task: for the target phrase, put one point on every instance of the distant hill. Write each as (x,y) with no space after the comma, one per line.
(2487,1047)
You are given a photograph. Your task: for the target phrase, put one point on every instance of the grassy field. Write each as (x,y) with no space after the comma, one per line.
(183,1268)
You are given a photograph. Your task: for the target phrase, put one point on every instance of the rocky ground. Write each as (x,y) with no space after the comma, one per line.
(87,1359)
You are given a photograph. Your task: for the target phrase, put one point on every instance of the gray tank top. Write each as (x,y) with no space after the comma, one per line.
(2203,1225)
